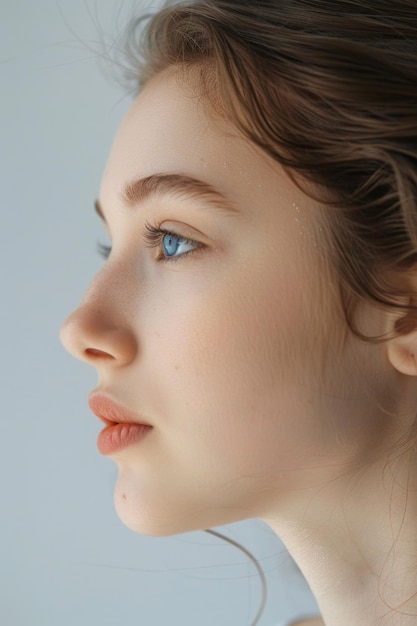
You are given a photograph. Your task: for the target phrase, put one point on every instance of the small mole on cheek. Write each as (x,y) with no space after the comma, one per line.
(124,496)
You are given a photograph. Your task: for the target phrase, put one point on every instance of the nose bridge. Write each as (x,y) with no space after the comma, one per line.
(112,291)
(102,323)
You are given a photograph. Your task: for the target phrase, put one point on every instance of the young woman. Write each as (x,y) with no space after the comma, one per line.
(255,323)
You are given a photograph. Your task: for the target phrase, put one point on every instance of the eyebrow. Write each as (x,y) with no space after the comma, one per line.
(184,187)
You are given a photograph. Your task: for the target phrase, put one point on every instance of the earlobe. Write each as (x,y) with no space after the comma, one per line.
(403,357)
(402,350)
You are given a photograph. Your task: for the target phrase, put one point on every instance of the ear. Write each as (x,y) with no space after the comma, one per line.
(402,350)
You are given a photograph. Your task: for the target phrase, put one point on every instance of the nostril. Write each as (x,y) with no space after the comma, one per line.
(100,353)
(82,332)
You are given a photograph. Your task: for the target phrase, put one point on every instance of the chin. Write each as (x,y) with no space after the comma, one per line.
(150,511)
(140,519)
(154,528)
(151,521)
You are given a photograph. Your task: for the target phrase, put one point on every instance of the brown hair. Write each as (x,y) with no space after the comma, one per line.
(329,90)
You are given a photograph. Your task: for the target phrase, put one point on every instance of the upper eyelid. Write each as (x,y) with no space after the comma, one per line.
(155,233)
(160,225)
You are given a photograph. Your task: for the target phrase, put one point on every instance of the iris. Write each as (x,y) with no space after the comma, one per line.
(171,244)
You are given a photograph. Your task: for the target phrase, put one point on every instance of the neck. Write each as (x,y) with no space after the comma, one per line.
(355,540)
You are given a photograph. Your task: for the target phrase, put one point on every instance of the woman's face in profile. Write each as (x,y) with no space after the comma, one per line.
(218,335)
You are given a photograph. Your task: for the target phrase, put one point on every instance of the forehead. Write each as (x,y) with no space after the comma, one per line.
(169,129)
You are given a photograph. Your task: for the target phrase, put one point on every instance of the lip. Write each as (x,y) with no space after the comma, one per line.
(110,412)
(123,427)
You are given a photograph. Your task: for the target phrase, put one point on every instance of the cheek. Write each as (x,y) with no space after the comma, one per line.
(229,357)
(247,328)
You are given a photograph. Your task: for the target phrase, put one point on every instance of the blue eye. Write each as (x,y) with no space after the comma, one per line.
(173,247)
(171,244)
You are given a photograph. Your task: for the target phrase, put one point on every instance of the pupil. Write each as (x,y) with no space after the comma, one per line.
(170,244)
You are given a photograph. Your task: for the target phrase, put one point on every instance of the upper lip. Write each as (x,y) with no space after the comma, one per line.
(110,412)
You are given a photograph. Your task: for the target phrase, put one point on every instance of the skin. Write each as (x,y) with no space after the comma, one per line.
(263,405)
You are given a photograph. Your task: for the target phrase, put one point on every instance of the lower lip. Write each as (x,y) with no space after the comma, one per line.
(114,438)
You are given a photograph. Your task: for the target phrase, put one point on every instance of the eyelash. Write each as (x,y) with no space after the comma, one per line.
(153,236)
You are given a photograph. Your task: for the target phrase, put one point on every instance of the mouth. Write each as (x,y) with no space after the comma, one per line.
(110,412)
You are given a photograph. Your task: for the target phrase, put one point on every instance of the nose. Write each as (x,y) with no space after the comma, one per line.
(98,331)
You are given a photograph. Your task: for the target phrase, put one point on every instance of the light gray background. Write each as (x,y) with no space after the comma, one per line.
(65,557)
